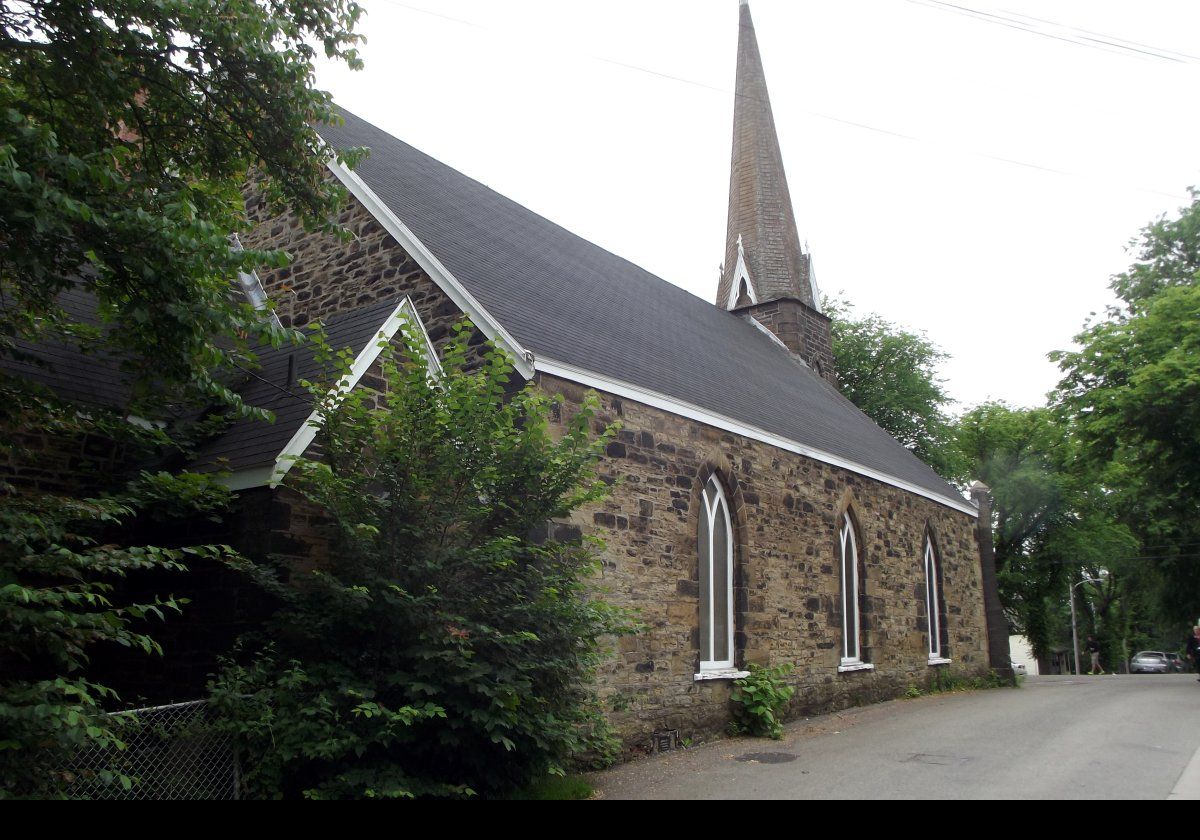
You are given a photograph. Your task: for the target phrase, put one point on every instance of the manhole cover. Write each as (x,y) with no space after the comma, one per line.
(768,758)
(930,758)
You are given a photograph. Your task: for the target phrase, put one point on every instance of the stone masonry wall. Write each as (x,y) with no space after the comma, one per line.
(787,511)
(328,276)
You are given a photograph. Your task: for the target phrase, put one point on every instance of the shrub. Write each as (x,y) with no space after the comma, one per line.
(446,647)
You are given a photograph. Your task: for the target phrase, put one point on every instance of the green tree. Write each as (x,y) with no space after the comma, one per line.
(891,374)
(446,644)
(1053,524)
(61,560)
(1132,393)
(128,129)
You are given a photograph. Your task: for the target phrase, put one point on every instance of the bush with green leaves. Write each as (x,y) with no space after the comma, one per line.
(446,645)
(760,700)
(60,571)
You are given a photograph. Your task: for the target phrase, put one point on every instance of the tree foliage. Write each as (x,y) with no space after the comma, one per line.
(60,562)
(891,374)
(445,645)
(127,131)
(1053,525)
(1132,393)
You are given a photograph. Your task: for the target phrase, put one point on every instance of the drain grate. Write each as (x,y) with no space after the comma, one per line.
(931,758)
(665,740)
(768,757)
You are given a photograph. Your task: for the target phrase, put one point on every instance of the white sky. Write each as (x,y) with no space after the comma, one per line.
(998,262)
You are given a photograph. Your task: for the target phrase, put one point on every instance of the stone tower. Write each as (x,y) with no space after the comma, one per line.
(767,274)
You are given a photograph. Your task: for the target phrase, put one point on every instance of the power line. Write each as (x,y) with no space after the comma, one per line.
(1086,38)
(816,114)
(1183,55)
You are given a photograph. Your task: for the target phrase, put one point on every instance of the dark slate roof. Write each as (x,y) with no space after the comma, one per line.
(252,443)
(569,300)
(73,373)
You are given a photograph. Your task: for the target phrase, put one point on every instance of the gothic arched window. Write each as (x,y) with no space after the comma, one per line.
(851,608)
(933,603)
(715,545)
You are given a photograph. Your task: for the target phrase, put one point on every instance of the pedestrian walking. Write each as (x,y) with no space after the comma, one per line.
(1093,647)
(1193,649)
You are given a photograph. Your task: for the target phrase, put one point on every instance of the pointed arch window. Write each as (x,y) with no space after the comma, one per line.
(715,544)
(934,602)
(851,603)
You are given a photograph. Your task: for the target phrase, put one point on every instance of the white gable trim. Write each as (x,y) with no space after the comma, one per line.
(694,412)
(522,359)
(741,272)
(812,283)
(762,328)
(272,474)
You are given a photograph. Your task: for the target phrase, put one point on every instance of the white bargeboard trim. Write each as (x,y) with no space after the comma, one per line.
(271,474)
(694,412)
(521,358)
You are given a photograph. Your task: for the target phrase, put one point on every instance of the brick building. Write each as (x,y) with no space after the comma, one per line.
(759,516)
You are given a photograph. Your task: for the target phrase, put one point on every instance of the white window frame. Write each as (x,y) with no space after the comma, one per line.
(851,660)
(720,506)
(933,611)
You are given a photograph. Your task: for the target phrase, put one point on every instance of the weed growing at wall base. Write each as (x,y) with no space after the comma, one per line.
(759,701)
(947,682)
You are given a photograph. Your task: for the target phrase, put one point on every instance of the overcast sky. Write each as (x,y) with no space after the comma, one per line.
(951,169)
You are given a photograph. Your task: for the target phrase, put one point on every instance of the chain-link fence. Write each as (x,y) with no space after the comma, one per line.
(171,752)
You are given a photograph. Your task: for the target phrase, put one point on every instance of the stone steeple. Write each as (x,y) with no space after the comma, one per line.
(767,273)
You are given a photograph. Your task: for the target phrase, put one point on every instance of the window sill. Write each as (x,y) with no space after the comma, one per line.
(847,667)
(720,674)
(939,661)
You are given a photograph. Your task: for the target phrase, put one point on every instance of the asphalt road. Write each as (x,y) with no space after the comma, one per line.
(1108,737)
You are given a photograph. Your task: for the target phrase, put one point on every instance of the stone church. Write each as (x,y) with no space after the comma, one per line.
(759,517)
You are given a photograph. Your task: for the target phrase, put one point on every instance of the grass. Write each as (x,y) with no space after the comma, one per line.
(947,683)
(557,787)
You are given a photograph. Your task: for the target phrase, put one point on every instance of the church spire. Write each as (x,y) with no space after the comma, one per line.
(764,259)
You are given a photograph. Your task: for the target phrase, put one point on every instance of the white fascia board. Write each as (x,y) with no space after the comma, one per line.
(521,358)
(271,475)
(247,479)
(694,412)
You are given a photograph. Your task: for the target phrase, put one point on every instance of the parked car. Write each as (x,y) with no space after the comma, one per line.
(1176,663)
(1150,662)
(1019,669)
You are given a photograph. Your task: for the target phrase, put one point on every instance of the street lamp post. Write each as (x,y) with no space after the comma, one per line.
(1074,627)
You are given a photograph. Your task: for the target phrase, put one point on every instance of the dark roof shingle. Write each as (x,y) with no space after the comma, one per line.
(569,300)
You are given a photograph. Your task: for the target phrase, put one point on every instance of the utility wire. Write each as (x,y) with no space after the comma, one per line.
(1086,38)
(817,114)
(1188,56)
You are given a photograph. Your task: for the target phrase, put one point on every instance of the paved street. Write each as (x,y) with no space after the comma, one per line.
(1110,737)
